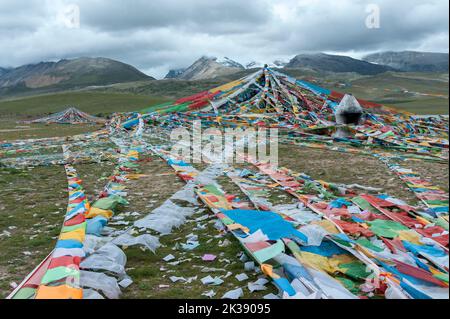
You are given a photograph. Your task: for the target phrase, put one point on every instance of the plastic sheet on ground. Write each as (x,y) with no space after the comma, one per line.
(166,217)
(91,294)
(234,294)
(151,242)
(100,282)
(109,257)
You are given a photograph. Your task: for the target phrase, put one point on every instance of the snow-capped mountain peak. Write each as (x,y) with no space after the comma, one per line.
(257,65)
(225,61)
(254,65)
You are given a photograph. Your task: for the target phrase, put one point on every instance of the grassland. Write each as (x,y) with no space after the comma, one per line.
(30,220)
(420,93)
(414,92)
(364,170)
(95,103)
(33,204)
(32,208)
(32,201)
(14,131)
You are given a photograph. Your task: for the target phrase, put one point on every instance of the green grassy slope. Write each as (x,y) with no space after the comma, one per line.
(414,92)
(91,102)
(71,74)
(171,89)
(421,93)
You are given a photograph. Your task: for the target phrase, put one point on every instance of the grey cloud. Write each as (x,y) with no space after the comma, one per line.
(200,16)
(342,27)
(20,16)
(158,35)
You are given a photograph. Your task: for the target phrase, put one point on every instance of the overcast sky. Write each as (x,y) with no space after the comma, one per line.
(158,35)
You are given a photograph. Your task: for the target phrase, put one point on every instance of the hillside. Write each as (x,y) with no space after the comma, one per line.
(173,74)
(172,88)
(67,74)
(206,68)
(414,92)
(411,61)
(3,71)
(422,93)
(335,63)
(95,103)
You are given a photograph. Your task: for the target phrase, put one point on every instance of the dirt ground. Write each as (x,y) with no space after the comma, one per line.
(33,202)
(435,172)
(33,217)
(345,168)
(147,194)
(32,207)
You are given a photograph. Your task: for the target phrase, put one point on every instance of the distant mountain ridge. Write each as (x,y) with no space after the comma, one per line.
(229,63)
(81,73)
(411,61)
(206,68)
(3,71)
(336,63)
(68,74)
(274,64)
(173,74)
(211,67)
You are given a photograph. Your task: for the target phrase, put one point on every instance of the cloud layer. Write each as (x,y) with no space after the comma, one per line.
(158,35)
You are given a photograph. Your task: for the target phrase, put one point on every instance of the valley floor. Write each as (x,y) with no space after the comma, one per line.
(33,203)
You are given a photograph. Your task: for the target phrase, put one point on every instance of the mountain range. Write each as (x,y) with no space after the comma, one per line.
(210,67)
(336,63)
(206,68)
(406,61)
(3,71)
(68,74)
(84,72)
(411,61)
